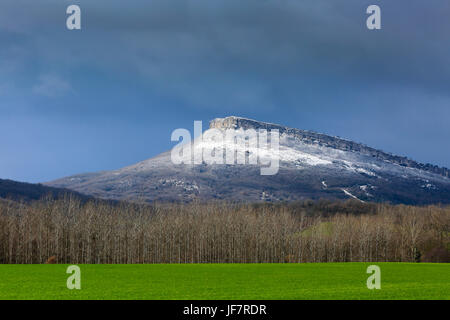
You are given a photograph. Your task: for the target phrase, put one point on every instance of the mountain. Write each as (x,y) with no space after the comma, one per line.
(21,191)
(312,166)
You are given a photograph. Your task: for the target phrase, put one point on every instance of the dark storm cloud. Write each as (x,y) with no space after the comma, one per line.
(242,53)
(310,64)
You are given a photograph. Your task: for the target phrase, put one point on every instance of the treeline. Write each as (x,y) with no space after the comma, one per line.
(97,232)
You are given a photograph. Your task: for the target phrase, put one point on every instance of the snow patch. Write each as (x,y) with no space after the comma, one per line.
(187,186)
(429,186)
(351,195)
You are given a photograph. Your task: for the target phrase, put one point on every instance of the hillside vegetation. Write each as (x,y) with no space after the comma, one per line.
(22,191)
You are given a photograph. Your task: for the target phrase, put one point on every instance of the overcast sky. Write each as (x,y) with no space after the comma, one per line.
(111,94)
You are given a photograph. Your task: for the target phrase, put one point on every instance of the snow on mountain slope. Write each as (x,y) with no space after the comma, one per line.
(312,166)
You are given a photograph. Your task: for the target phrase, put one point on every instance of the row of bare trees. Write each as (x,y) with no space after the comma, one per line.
(97,232)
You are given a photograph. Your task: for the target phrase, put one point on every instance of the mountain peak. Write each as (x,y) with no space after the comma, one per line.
(234,122)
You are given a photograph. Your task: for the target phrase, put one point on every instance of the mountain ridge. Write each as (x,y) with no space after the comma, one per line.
(308,136)
(312,166)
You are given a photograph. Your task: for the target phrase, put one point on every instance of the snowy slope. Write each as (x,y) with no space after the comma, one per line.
(312,165)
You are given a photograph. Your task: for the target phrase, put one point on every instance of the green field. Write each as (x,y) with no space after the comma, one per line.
(227,281)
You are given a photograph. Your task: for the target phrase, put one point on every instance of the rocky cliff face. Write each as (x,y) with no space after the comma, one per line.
(309,137)
(312,166)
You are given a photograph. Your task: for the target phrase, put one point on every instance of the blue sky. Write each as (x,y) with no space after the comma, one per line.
(111,94)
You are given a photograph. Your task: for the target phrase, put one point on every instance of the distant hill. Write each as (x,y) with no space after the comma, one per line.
(21,191)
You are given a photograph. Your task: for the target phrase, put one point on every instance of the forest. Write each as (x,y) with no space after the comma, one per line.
(72,231)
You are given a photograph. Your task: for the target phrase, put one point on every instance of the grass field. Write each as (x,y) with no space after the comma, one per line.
(227,281)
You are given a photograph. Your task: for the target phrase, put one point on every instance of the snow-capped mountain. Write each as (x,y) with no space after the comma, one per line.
(311,166)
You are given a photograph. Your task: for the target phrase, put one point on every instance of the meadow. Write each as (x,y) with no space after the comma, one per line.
(227,281)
